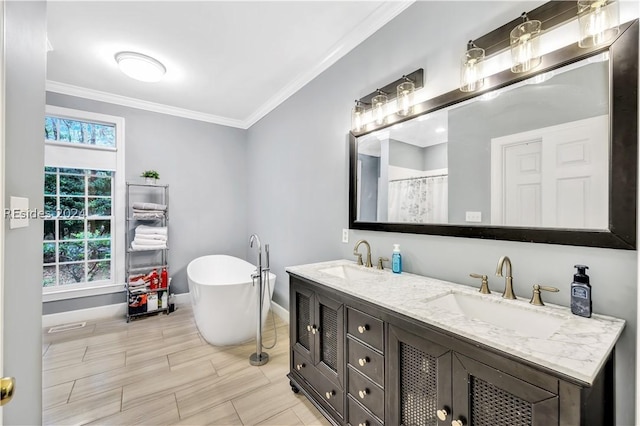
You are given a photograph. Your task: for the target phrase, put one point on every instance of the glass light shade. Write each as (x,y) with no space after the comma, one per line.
(140,67)
(598,21)
(525,46)
(406,93)
(379,108)
(357,117)
(471,70)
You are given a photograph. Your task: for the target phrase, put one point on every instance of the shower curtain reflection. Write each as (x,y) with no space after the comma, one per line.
(419,200)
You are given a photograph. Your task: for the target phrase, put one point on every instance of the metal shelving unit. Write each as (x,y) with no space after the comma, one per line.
(134,265)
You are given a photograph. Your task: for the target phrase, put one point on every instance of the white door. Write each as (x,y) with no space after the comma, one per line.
(552,177)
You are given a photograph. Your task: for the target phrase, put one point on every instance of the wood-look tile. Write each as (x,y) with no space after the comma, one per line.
(157,385)
(129,374)
(57,359)
(285,418)
(223,414)
(159,411)
(210,392)
(253,407)
(56,395)
(308,414)
(76,371)
(158,370)
(85,410)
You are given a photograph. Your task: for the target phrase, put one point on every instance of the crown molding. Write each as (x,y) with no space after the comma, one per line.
(96,95)
(376,20)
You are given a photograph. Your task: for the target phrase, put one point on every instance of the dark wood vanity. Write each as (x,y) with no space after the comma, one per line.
(363,364)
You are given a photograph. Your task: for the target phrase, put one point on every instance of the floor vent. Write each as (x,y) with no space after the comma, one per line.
(66,327)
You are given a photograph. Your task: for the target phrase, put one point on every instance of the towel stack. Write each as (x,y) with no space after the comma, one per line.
(149,211)
(150,238)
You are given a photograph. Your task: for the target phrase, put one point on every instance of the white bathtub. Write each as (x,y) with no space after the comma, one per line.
(224,299)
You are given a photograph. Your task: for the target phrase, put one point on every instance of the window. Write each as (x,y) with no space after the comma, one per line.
(84,204)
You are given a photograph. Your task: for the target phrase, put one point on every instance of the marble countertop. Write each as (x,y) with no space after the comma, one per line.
(577,349)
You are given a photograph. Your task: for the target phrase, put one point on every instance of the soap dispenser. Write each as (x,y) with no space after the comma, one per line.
(581,293)
(396,259)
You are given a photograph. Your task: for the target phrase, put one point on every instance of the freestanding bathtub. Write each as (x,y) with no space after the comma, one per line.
(224,298)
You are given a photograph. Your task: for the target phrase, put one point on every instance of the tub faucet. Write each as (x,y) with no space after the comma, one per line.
(508,279)
(254,238)
(355,253)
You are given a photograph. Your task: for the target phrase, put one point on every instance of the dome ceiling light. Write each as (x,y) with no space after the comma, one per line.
(140,67)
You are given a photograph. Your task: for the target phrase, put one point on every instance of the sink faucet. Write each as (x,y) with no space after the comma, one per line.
(508,279)
(355,252)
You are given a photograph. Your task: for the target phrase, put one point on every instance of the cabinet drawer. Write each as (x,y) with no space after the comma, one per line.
(358,416)
(366,328)
(366,392)
(366,360)
(328,391)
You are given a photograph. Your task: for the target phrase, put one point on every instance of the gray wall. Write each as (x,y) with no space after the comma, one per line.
(302,206)
(436,157)
(402,154)
(204,165)
(25,29)
(574,95)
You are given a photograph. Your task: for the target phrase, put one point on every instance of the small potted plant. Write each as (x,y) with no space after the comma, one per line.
(150,176)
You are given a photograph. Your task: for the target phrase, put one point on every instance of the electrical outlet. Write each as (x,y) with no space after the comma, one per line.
(474,217)
(345,235)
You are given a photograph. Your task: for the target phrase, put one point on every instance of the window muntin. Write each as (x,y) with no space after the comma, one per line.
(77,241)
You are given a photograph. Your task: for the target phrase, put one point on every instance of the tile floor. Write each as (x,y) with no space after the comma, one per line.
(158,370)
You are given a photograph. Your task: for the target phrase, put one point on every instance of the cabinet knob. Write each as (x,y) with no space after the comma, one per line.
(363,393)
(363,361)
(363,328)
(365,423)
(330,394)
(442,414)
(457,423)
(300,366)
(308,327)
(314,329)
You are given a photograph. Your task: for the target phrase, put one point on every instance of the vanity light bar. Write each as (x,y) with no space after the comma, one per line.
(417,77)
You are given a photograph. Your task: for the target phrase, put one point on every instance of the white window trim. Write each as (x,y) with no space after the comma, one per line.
(117,234)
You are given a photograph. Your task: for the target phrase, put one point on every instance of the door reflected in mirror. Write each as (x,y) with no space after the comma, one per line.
(532,154)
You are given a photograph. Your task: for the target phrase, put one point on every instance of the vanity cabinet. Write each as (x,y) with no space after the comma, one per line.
(317,347)
(430,384)
(392,369)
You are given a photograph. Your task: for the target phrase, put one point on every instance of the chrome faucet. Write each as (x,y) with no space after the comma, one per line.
(508,279)
(355,253)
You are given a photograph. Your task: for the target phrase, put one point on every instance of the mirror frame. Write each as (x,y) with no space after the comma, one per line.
(623,78)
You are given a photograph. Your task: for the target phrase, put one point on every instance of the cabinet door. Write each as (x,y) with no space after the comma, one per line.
(329,344)
(302,320)
(419,380)
(485,396)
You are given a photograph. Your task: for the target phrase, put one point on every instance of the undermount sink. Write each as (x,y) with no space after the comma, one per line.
(350,272)
(526,321)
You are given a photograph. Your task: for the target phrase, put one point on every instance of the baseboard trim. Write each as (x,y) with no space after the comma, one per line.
(120,310)
(280,311)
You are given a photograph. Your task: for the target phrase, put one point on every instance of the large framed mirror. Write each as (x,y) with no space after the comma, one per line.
(546,156)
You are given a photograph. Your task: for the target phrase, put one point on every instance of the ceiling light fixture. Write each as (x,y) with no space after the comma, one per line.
(140,67)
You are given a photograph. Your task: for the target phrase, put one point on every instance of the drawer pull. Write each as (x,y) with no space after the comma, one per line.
(442,414)
(363,393)
(365,423)
(300,366)
(363,361)
(363,328)
(330,394)
(457,423)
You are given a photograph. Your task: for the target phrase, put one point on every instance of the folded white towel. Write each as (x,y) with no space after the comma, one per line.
(148,214)
(145,229)
(148,242)
(156,237)
(149,206)
(139,247)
